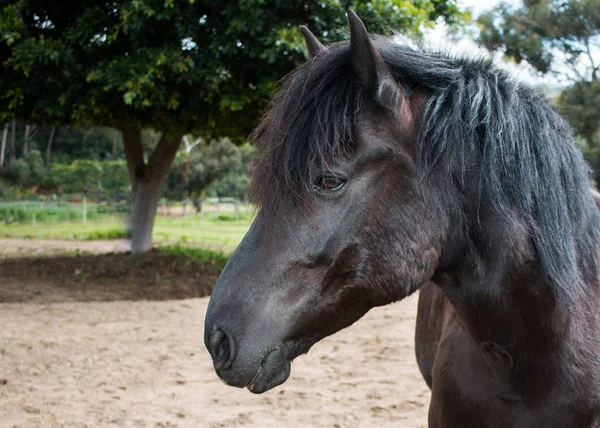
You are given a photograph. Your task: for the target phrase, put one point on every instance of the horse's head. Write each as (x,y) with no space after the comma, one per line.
(345,222)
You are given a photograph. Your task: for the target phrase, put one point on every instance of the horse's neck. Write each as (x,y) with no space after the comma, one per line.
(510,310)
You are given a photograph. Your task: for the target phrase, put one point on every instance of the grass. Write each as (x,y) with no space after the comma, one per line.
(201,255)
(212,233)
(49,211)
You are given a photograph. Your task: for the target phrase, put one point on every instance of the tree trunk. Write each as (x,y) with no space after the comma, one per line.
(186,183)
(3,146)
(114,145)
(30,131)
(146,180)
(48,150)
(26,141)
(145,203)
(12,151)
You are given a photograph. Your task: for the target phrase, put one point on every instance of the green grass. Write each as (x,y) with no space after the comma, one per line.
(211,233)
(52,212)
(201,255)
(218,235)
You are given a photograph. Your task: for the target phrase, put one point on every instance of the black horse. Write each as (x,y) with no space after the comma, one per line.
(384,170)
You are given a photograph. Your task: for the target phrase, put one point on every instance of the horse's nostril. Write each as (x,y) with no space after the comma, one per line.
(222,350)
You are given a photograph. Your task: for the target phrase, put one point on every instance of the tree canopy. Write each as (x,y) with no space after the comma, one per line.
(172,65)
(553,36)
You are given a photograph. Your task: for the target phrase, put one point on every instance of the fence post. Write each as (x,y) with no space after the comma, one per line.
(237,210)
(84,210)
(33,219)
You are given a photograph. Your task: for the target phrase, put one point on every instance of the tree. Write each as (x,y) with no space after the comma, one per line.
(200,165)
(48,160)
(178,66)
(561,38)
(580,104)
(557,37)
(235,183)
(185,169)
(12,148)
(3,145)
(28,135)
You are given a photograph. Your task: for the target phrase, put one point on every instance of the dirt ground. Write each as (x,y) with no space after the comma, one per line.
(102,277)
(32,247)
(143,364)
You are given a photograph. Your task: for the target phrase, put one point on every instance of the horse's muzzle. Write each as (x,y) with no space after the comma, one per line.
(260,374)
(274,370)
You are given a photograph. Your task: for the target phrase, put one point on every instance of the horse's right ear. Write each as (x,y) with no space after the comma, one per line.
(313,46)
(374,73)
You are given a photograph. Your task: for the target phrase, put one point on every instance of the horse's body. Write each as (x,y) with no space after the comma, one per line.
(384,170)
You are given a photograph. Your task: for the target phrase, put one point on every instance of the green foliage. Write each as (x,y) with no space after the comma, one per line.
(70,143)
(580,104)
(176,66)
(26,171)
(193,172)
(79,177)
(94,143)
(107,179)
(201,255)
(235,183)
(539,29)
(5,191)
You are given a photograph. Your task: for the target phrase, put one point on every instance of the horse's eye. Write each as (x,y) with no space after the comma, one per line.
(329,183)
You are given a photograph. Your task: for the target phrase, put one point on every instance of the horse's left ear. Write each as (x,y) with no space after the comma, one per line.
(313,45)
(374,72)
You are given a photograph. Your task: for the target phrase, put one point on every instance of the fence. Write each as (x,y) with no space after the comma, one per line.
(83,209)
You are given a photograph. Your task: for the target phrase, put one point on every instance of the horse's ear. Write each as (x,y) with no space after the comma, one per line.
(313,46)
(373,71)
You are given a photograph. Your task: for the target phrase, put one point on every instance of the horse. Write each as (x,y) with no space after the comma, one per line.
(382,170)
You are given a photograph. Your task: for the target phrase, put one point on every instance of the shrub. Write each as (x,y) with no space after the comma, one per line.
(4,189)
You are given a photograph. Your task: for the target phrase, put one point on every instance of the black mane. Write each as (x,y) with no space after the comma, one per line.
(498,139)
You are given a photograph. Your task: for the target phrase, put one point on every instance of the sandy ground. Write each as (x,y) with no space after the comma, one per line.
(143,364)
(34,247)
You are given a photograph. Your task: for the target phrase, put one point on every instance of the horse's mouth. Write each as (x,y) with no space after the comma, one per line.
(273,371)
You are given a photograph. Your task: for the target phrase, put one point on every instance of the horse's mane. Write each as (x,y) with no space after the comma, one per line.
(498,139)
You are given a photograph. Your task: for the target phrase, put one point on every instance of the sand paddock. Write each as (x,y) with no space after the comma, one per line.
(143,364)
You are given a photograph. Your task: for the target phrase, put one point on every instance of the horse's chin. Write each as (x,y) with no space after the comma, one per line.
(273,371)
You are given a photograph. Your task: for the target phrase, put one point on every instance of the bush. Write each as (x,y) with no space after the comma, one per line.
(4,189)
(27,171)
(17,172)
